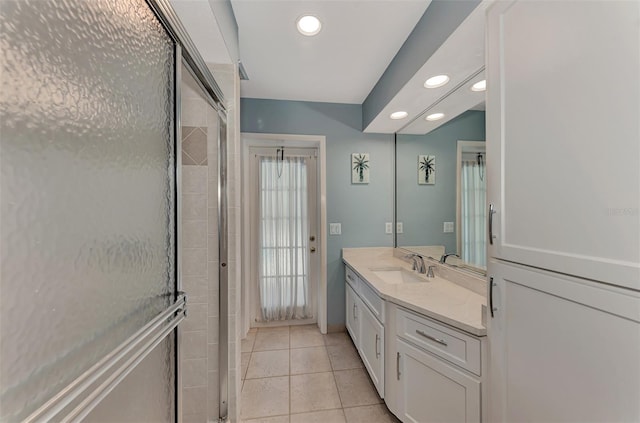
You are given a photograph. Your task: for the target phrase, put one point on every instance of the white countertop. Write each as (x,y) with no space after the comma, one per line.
(440,299)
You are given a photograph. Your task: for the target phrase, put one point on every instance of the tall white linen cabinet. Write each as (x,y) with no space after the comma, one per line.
(563,155)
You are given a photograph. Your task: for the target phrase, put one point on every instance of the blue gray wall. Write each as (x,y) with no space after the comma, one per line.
(361,209)
(424,208)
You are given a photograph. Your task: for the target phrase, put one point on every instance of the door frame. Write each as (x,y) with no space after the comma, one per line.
(461,148)
(293,141)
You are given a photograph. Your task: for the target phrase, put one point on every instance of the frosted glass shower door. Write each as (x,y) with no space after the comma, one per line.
(87,200)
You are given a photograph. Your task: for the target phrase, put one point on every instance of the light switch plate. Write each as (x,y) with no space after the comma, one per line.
(448,227)
(388,228)
(399,228)
(335,228)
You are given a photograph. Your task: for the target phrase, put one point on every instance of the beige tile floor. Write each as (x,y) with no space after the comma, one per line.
(297,375)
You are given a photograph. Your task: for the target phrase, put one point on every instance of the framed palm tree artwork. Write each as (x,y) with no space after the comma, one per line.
(360,168)
(426,170)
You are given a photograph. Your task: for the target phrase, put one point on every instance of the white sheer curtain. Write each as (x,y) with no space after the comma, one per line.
(473,213)
(284,249)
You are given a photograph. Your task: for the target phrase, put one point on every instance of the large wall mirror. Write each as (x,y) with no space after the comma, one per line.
(441,191)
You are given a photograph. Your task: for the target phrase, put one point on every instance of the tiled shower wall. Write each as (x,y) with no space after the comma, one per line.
(199,347)
(199,344)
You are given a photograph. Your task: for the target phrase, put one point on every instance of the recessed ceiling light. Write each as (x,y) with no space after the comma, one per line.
(308,25)
(479,86)
(436,81)
(398,115)
(435,116)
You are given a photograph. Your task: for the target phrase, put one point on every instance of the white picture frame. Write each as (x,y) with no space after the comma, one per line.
(360,167)
(426,169)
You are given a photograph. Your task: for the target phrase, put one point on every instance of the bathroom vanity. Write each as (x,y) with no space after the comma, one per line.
(421,339)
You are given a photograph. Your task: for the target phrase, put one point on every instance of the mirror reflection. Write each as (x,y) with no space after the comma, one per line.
(441,192)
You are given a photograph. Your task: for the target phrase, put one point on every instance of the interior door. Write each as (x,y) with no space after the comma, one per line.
(563,101)
(265,252)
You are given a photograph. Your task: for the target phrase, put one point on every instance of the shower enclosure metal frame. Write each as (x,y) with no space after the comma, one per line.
(187,53)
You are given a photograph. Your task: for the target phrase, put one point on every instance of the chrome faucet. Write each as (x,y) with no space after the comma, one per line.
(418,262)
(443,259)
(430,272)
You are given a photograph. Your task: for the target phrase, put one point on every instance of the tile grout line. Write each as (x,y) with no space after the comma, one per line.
(333,373)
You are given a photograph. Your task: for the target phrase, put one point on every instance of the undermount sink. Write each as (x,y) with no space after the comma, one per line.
(397,275)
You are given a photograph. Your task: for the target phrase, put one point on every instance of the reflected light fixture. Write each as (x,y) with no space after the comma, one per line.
(436,81)
(479,86)
(434,116)
(308,25)
(398,115)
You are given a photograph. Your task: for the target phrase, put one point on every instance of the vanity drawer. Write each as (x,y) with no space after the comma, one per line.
(453,346)
(352,279)
(372,300)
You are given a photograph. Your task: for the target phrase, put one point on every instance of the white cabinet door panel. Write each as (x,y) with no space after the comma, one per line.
(352,321)
(433,391)
(371,347)
(563,136)
(562,349)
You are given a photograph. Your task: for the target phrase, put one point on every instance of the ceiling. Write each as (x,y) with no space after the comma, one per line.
(341,64)
(344,63)
(199,20)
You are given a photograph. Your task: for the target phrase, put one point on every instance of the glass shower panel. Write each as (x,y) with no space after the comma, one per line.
(87,191)
(152,381)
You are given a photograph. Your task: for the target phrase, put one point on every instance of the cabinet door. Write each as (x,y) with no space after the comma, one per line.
(433,391)
(562,349)
(563,100)
(372,347)
(352,312)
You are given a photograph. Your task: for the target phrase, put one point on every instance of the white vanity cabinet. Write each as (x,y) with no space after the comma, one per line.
(365,323)
(425,370)
(437,371)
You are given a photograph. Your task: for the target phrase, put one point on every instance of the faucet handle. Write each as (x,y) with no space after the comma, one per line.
(430,271)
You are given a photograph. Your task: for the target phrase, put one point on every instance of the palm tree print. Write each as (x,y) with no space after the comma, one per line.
(360,163)
(427,165)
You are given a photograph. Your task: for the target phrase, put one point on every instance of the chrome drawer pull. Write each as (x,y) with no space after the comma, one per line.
(439,341)
(398,365)
(377,351)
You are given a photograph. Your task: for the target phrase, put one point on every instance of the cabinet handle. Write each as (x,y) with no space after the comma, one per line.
(491,285)
(491,213)
(398,365)
(349,277)
(439,341)
(355,316)
(377,349)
